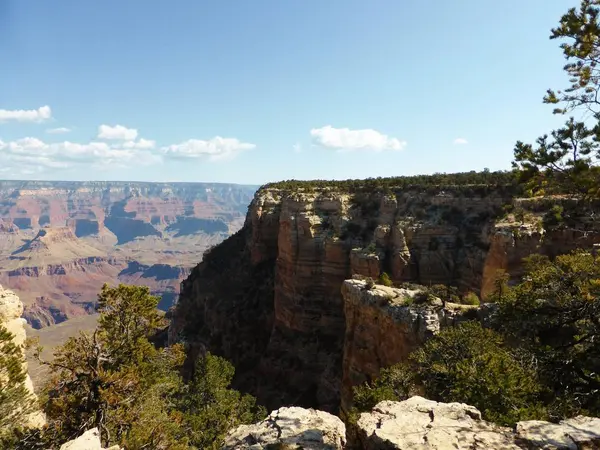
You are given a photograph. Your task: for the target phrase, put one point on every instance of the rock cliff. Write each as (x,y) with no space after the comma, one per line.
(11,309)
(60,241)
(270,298)
(384,325)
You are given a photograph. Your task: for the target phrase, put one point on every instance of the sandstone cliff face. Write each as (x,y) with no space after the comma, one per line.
(60,241)
(382,329)
(11,309)
(288,341)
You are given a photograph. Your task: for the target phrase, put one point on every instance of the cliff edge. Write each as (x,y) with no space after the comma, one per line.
(270,298)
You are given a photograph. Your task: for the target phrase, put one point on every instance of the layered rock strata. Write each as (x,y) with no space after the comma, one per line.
(61,241)
(384,325)
(270,298)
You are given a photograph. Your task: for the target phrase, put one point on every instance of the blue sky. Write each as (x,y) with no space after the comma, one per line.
(263,90)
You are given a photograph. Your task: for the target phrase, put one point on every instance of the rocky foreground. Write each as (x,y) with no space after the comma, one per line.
(415,424)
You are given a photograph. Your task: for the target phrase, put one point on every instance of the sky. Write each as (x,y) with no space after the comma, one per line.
(265,90)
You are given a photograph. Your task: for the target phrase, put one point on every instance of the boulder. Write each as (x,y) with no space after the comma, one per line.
(90,440)
(290,428)
(418,423)
(573,434)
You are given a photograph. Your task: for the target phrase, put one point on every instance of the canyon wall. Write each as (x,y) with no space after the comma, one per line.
(270,298)
(60,241)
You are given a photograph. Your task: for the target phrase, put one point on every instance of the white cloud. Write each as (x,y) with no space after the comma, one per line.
(297,147)
(214,149)
(118,132)
(347,139)
(26,115)
(60,130)
(141,144)
(33,154)
(460,141)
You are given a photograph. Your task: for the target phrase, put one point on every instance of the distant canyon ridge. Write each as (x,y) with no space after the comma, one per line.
(60,241)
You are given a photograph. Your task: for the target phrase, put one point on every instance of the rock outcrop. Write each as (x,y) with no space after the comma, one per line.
(418,423)
(270,300)
(90,440)
(290,428)
(384,325)
(11,309)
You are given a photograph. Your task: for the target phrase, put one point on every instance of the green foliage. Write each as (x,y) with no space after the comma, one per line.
(471,364)
(15,400)
(397,382)
(470,298)
(444,292)
(116,380)
(466,363)
(210,408)
(385,279)
(554,217)
(488,181)
(567,162)
(554,313)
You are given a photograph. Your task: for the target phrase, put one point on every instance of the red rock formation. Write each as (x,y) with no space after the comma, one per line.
(60,241)
(287,340)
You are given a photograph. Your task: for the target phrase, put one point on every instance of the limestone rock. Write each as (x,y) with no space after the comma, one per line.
(11,309)
(572,434)
(420,424)
(90,440)
(297,427)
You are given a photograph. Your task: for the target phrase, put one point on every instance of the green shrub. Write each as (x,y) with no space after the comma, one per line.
(470,364)
(553,314)
(385,279)
(470,298)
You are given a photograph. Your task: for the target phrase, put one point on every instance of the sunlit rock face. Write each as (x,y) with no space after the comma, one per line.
(270,298)
(11,310)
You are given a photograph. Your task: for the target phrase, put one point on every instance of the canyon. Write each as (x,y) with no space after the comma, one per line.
(278,300)
(61,241)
